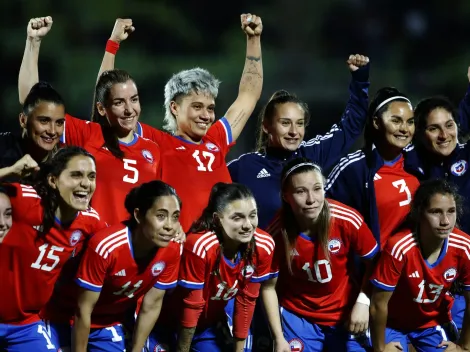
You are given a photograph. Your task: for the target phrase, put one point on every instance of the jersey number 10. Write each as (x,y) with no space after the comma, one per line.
(318,275)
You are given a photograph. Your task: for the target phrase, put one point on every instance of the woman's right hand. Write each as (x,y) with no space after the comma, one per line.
(281,345)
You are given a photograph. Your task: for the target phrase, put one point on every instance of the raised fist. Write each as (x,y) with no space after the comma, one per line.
(38,27)
(122,28)
(251,24)
(356,61)
(25,166)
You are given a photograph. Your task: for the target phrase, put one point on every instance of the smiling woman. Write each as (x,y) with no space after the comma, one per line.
(42,121)
(5,213)
(139,251)
(378,180)
(51,220)
(415,273)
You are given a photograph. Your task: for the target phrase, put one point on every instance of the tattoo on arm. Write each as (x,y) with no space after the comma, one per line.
(236,121)
(185,338)
(253,58)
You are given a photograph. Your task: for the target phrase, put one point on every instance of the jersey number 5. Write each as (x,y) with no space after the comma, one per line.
(133,175)
(50,255)
(208,160)
(403,188)
(434,289)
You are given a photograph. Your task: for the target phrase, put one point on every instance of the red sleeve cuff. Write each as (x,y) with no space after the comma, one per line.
(193,304)
(245,304)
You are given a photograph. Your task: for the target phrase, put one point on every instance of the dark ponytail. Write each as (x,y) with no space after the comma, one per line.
(267,114)
(381,96)
(50,197)
(41,92)
(144,196)
(221,196)
(102,95)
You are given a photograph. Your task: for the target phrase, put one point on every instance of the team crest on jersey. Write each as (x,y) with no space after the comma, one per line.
(147,155)
(248,271)
(459,168)
(212,147)
(157,268)
(75,237)
(160,348)
(334,246)
(296,345)
(450,274)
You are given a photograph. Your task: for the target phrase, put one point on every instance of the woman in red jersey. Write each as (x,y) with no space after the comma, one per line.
(51,219)
(414,273)
(123,159)
(312,275)
(225,258)
(120,265)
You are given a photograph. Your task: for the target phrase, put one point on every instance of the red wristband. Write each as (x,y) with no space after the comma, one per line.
(112,47)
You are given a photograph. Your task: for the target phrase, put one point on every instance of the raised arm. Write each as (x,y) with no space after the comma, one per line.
(122,28)
(327,150)
(36,30)
(251,82)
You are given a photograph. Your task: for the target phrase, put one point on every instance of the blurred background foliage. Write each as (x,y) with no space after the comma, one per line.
(418,46)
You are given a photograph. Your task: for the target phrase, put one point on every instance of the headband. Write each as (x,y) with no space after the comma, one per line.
(315,166)
(389,100)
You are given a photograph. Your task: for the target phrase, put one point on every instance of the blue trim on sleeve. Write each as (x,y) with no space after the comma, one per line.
(164,286)
(87,286)
(274,275)
(261,278)
(382,286)
(190,285)
(372,253)
(228,128)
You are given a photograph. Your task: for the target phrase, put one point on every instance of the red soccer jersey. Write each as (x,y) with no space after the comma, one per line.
(115,177)
(108,266)
(394,189)
(198,272)
(320,290)
(192,169)
(30,264)
(421,289)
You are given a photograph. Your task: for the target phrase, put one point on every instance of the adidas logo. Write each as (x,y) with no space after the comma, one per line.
(121,273)
(377,177)
(294,252)
(415,274)
(263,173)
(181,148)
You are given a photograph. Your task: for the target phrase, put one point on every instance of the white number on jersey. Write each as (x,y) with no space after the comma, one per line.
(434,290)
(130,177)
(318,274)
(208,160)
(50,255)
(231,292)
(42,331)
(403,188)
(129,293)
(116,337)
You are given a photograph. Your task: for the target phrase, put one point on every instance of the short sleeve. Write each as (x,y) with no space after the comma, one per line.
(76,131)
(364,243)
(388,269)
(152,133)
(265,248)
(192,269)
(169,277)
(221,134)
(92,270)
(25,203)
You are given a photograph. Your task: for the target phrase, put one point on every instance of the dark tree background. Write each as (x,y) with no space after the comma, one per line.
(418,46)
